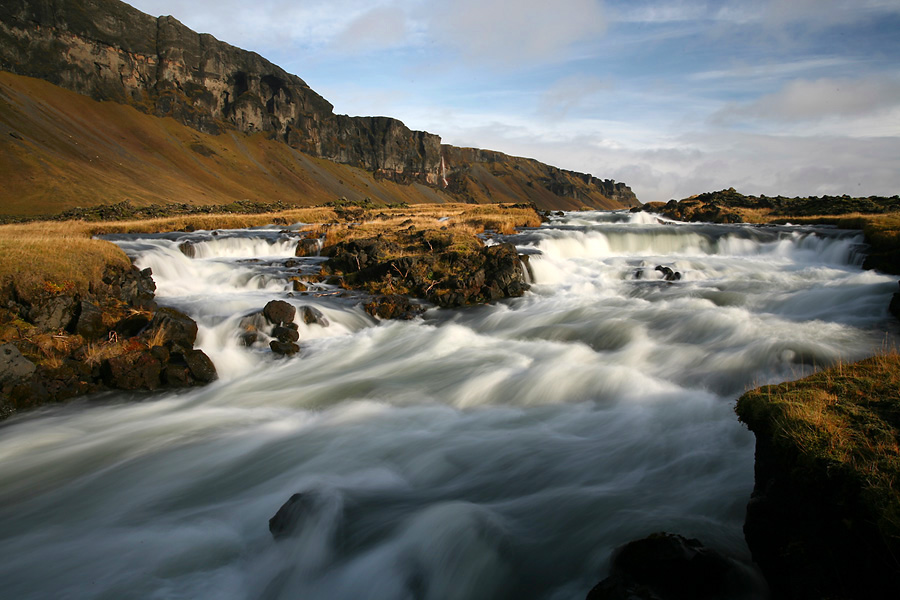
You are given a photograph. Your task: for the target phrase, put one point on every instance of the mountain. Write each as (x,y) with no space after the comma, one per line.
(239,127)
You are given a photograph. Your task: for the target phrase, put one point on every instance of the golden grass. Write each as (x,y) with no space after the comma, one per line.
(844,419)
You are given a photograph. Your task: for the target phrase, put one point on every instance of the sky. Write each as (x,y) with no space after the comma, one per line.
(674,98)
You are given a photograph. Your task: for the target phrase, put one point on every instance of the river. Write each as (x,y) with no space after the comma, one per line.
(500,451)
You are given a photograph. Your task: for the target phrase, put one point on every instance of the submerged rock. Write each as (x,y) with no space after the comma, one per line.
(665,566)
(289,517)
(312,315)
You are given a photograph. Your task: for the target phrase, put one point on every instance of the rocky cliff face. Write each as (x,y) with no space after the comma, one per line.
(110,51)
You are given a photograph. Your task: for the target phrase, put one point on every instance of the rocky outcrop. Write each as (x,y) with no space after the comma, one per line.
(665,566)
(114,337)
(108,50)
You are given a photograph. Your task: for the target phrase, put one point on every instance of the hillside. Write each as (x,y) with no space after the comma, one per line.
(162,113)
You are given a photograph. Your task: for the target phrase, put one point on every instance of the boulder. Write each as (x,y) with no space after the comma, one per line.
(279,312)
(665,566)
(13,366)
(134,370)
(307,247)
(285,348)
(202,368)
(393,307)
(668,274)
(52,313)
(503,268)
(187,248)
(311,315)
(289,517)
(297,285)
(89,324)
(131,325)
(285,334)
(181,330)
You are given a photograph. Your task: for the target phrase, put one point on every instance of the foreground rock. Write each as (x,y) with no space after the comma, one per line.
(63,346)
(824,517)
(665,566)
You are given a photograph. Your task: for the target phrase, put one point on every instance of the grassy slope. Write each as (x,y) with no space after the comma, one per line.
(844,419)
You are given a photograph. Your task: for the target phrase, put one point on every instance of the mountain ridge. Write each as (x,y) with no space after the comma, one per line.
(110,51)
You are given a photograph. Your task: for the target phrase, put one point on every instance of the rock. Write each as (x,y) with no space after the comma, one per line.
(202,368)
(291,263)
(503,268)
(53,313)
(307,247)
(393,307)
(187,248)
(285,334)
(13,366)
(279,312)
(131,325)
(668,274)
(289,517)
(181,330)
(248,338)
(311,315)
(357,255)
(285,348)
(135,370)
(665,566)
(297,285)
(89,324)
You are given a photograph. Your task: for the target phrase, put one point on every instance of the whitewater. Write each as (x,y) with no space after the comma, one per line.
(499,451)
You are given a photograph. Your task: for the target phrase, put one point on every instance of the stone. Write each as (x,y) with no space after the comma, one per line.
(53,313)
(285,334)
(13,366)
(285,348)
(298,285)
(312,315)
(187,248)
(668,273)
(307,247)
(89,324)
(289,518)
(135,370)
(665,566)
(131,325)
(202,368)
(279,312)
(181,330)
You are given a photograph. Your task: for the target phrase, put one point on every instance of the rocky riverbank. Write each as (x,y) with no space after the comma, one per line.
(57,345)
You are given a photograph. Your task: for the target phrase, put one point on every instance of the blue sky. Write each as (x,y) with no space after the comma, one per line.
(793,97)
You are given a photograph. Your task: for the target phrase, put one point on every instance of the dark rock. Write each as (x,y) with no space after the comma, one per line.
(503,268)
(14,367)
(131,325)
(133,370)
(279,312)
(176,372)
(53,313)
(202,368)
(160,353)
(666,566)
(248,338)
(291,263)
(90,322)
(180,329)
(311,315)
(290,516)
(357,255)
(286,348)
(393,307)
(307,247)
(285,334)
(187,248)
(668,273)
(297,285)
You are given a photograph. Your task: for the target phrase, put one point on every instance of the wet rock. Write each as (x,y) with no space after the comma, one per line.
(187,248)
(13,366)
(133,370)
(202,368)
(503,268)
(248,338)
(312,315)
(291,263)
(89,324)
(297,285)
(289,517)
(181,330)
(393,307)
(53,313)
(285,348)
(307,247)
(668,273)
(279,312)
(285,334)
(665,566)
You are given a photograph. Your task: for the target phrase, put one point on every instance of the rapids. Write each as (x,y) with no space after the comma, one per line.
(493,452)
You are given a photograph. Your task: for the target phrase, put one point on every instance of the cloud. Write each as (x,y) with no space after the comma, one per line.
(513,32)
(570,94)
(804,100)
(376,29)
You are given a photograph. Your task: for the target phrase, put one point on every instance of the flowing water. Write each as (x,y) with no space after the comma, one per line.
(494,452)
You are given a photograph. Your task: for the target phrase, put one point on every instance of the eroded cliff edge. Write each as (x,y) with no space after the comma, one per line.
(108,50)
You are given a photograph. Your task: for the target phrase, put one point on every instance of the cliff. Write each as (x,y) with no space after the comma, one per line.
(109,51)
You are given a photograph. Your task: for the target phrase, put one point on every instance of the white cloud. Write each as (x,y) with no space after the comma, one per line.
(571,93)
(379,28)
(513,32)
(804,100)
